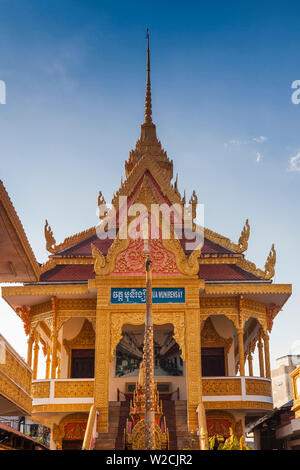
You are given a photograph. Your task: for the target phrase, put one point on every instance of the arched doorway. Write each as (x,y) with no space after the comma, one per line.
(169,368)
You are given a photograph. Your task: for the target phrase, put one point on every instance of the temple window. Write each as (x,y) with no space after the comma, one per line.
(213,362)
(82,363)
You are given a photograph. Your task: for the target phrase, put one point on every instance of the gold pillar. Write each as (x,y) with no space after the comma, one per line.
(48,362)
(58,367)
(261,358)
(35,357)
(193,355)
(240,333)
(29,350)
(267,355)
(54,336)
(202,424)
(250,364)
(102,354)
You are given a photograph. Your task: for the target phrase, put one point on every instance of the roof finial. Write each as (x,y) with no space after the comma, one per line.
(148,105)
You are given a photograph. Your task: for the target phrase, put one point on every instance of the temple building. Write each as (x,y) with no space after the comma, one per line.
(213,312)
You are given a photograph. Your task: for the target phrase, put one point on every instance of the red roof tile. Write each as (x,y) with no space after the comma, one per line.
(69,272)
(209,272)
(84,248)
(225,272)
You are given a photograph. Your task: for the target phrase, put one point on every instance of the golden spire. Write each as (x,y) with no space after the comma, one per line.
(148,104)
(148,131)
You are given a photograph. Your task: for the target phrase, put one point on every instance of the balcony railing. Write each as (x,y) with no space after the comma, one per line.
(243,392)
(62,391)
(15,377)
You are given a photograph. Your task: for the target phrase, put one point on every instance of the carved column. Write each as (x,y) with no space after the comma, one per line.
(193,355)
(48,362)
(54,336)
(261,358)
(240,333)
(250,364)
(36,349)
(102,355)
(58,367)
(267,355)
(29,350)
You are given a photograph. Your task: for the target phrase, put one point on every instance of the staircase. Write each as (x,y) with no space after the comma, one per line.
(175,412)
(118,412)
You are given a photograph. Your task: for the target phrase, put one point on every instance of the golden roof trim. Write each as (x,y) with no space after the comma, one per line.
(77,289)
(260,288)
(68,242)
(19,229)
(239,247)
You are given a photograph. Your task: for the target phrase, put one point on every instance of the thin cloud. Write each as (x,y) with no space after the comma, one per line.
(295,163)
(238,143)
(260,139)
(258,157)
(233,143)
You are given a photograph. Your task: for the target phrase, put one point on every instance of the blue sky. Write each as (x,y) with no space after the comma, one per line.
(221,85)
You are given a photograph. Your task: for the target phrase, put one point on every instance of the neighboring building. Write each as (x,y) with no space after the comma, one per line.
(21,433)
(278,431)
(281,379)
(17,265)
(211,308)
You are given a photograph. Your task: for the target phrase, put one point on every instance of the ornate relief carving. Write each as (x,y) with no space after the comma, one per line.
(211,339)
(104,265)
(25,315)
(237,405)
(227,306)
(258,387)
(84,339)
(62,408)
(41,389)
(71,427)
(243,289)
(15,381)
(218,423)
(272,311)
(77,304)
(132,260)
(215,387)
(74,389)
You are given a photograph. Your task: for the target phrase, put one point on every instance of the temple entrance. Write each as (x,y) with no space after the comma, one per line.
(169,368)
(129,352)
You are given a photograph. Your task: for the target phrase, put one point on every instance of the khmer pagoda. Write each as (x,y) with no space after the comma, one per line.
(84,316)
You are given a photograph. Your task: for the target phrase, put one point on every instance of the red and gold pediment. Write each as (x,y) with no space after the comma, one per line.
(132,260)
